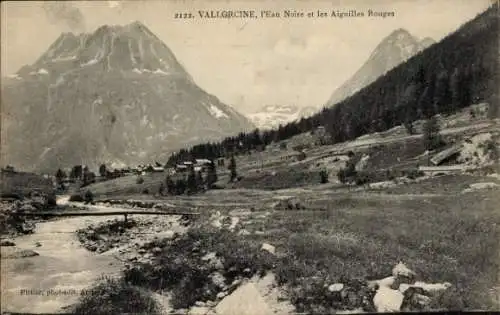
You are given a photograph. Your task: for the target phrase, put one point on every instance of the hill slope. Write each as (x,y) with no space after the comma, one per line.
(460,70)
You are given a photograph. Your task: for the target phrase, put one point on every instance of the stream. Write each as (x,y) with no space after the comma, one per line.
(56,277)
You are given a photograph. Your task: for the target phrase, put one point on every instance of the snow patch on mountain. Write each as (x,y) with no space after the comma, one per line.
(271,116)
(134,99)
(159,71)
(216,112)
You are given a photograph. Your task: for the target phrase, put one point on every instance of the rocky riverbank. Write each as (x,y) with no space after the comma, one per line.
(16,215)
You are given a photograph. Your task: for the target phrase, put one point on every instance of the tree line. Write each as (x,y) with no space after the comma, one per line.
(194,182)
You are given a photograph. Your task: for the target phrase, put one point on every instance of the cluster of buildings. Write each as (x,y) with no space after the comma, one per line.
(199,165)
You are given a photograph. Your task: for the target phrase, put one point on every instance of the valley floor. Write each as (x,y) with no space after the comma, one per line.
(438,227)
(301,246)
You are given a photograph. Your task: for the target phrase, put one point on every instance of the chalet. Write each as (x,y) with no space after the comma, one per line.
(203,162)
(158,169)
(181,168)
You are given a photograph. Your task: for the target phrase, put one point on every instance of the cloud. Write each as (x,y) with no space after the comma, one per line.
(61,12)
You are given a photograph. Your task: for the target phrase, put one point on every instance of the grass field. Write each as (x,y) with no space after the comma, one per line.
(23,184)
(346,233)
(440,233)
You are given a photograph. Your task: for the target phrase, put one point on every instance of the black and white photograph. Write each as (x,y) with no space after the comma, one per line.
(231,157)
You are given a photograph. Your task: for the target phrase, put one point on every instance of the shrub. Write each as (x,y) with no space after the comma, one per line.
(414,173)
(115,296)
(76,198)
(139,180)
(363,178)
(51,200)
(323,176)
(345,175)
(89,197)
(491,149)
(431,135)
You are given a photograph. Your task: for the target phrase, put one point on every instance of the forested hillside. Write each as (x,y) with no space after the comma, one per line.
(459,70)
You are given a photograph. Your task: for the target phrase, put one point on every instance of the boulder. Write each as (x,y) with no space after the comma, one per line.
(243,232)
(336,287)
(246,300)
(388,300)
(212,260)
(428,288)
(269,248)
(198,310)
(24,253)
(218,279)
(385,282)
(415,300)
(403,274)
(221,295)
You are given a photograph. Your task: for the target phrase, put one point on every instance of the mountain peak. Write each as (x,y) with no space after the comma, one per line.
(130,47)
(116,94)
(426,42)
(136,25)
(400,32)
(394,49)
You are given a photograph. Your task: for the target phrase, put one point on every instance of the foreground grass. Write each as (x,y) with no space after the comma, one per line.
(115,296)
(184,269)
(283,178)
(448,238)
(22,184)
(452,239)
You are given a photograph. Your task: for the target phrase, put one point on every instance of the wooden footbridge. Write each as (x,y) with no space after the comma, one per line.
(86,213)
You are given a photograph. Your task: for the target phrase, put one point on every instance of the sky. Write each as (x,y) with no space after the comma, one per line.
(246,63)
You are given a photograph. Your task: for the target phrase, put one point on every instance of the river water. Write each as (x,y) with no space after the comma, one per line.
(55,279)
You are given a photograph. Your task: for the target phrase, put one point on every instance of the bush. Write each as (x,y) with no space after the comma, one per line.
(115,296)
(364,178)
(89,197)
(345,175)
(323,176)
(51,200)
(491,149)
(414,173)
(139,180)
(76,198)
(431,136)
